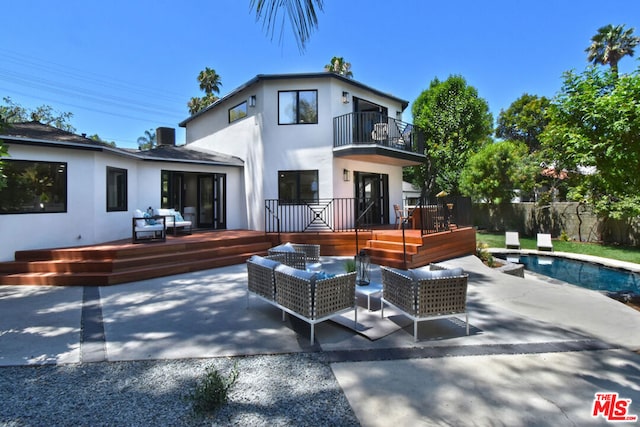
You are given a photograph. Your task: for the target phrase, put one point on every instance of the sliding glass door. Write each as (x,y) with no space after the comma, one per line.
(212,201)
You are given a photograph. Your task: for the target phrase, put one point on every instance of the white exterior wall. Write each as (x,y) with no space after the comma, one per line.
(242,139)
(87,221)
(267,147)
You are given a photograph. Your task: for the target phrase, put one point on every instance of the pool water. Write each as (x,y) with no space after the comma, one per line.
(585,274)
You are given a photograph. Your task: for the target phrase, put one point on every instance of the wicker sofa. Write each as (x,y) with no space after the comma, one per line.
(425,293)
(302,256)
(311,296)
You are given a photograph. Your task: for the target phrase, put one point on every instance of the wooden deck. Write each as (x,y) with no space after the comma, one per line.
(122,261)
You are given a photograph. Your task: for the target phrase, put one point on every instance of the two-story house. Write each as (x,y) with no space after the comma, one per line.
(319,150)
(294,152)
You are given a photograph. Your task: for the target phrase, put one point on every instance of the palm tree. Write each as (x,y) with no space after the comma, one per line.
(147,141)
(339,66)
(302,16)
(209,81)
(610,44)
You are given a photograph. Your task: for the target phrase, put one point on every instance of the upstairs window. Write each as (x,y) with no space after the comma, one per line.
(297,186)
(116,189)
(238,112)
(298,107)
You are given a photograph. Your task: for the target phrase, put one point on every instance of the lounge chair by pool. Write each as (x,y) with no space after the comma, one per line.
(512,240)
(544,242)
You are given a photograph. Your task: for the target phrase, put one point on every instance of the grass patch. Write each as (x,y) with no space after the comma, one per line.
(620,253)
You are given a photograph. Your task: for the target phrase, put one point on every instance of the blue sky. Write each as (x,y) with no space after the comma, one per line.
(126,66)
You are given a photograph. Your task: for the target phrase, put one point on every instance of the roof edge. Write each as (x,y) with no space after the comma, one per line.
(314,75)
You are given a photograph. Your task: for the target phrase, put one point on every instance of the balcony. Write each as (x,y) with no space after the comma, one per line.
(376,138)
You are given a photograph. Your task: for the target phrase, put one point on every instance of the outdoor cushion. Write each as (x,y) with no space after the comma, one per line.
(165,212)
(321,275)
(264,262)
(178,216)
(139,222)
(299,274)
(149,220)
(286,247)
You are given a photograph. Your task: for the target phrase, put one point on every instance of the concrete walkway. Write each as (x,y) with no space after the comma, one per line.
(537,354)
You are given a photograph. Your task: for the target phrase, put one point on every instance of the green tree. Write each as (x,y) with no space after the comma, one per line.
(301,14)
(496,171)
(524,120)
(456,123)
(595,122)
(339,66)
(96,137)
(210,83)
(45,114)
(610,44)
(148,140)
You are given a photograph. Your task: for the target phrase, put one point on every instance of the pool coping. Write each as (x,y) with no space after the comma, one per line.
(608,262)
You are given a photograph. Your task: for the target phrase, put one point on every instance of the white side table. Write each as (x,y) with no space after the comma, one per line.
(371,289)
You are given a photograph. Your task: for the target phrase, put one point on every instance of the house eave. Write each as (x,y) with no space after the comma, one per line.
(378,154)
(113,150)
(293,76)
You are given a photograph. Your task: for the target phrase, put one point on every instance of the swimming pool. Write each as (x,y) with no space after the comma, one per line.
(581,273)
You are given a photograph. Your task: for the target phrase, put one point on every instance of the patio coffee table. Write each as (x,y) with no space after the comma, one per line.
(371,289)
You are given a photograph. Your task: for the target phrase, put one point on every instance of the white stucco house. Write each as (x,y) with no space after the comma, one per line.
(289,152)
(319,149)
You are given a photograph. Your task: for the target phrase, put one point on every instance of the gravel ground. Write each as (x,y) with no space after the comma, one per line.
(281,390)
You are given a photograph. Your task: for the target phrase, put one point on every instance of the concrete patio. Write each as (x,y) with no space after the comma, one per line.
(537,353)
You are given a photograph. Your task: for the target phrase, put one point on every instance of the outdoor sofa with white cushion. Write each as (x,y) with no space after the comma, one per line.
(310,296)
(303,256)
(425,293)
(148,228)
(174,220)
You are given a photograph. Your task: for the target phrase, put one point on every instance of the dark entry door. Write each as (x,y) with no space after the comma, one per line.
(173,190)
(372,194)
(212,201)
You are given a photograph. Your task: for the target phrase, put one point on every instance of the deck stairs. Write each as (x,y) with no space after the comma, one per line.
(122,262)
(387,248)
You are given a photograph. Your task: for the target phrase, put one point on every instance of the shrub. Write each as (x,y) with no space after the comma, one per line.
(484,255)
(211,392)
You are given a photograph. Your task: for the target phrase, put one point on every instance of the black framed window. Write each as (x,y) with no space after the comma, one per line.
(116,189)
(298,107)
(297,186)
(238,112)
(33,187)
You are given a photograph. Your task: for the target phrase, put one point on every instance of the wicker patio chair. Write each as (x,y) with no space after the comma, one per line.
(261,281)
(298,255)
(425,294)
(313,300)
